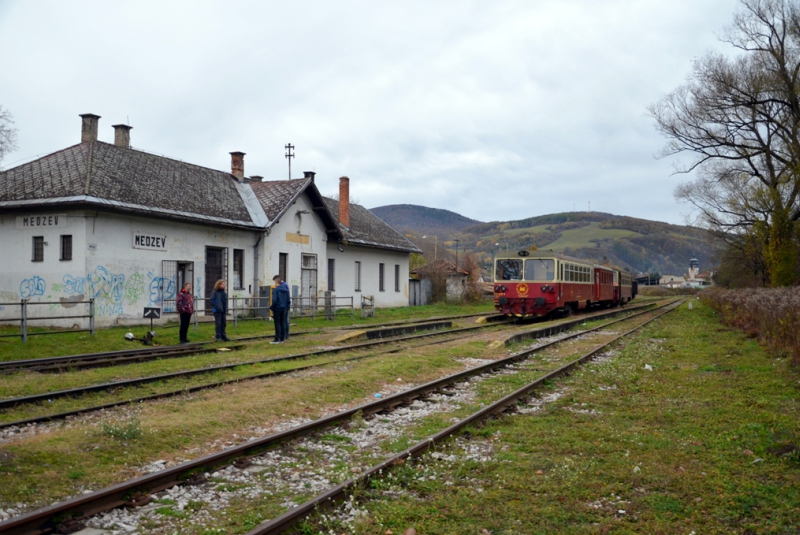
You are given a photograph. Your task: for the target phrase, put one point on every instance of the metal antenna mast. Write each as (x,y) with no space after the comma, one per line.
(289,155)
(456,252)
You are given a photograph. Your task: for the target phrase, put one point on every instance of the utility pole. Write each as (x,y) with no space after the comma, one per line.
(289,155)
(456,240)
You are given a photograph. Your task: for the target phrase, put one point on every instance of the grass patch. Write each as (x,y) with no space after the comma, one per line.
(674,449)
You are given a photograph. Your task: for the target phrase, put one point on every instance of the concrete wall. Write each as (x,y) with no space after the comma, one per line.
(370,259)
(122,278)
(299,231)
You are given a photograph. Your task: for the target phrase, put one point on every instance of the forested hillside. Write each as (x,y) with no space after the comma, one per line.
(637,244)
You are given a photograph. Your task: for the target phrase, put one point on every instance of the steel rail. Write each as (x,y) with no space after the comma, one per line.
(78,391)
(208,386)
(339,492)
(46,520)
(74,392)
(66,361)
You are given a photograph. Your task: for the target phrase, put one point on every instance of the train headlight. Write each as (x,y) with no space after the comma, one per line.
(549,287)
(544,288)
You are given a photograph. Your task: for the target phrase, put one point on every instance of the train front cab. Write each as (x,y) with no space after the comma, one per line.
(525,287)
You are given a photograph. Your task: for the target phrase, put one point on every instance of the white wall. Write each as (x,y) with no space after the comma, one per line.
(370,259)
(298,231)
(106,266)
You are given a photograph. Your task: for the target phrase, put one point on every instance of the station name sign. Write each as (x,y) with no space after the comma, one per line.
(41,221)
(146,240)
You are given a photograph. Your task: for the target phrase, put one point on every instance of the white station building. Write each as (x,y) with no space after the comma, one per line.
(127,229)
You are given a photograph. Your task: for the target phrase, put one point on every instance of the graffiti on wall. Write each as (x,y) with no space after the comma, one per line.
(134,289)
(161,289)
(106,288)
(32,287)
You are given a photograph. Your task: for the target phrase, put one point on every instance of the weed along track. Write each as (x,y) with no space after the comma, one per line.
(236,372)
(273,473)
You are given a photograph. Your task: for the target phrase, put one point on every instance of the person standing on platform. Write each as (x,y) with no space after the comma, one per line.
(219,306)
(185,305)
(288,307)
(280,309)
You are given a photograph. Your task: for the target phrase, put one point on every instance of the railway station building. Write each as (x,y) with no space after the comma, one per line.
(127,228)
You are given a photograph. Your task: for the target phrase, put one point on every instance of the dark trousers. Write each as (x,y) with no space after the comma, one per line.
(286,322)
(279,317)
(219,326)
(185,319)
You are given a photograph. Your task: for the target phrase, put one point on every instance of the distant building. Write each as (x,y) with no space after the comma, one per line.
(695,279)
(455,278)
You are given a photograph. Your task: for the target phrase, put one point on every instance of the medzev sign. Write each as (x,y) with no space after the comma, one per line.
(148,240)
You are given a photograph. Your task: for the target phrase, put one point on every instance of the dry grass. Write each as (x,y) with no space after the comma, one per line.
(770,314)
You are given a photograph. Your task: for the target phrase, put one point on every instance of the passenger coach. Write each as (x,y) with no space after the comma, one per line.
(536,284)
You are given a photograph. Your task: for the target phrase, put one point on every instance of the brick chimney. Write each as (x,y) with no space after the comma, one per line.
(344,201)
(89,127)
(122,135)
(237,165)
(309,174)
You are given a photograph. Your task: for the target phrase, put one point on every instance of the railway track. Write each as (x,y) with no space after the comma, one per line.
(128,356)
(77,392)
(137,491)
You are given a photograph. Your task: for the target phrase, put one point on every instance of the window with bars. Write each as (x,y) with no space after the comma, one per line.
(38,249)
(397,277)
(66,247)
(358,276)
(381,270)
(331,275)
(238,269)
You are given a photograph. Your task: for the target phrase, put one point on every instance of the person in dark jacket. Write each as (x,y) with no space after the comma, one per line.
(286,321)
(280,309)
(219,306)
(185,305)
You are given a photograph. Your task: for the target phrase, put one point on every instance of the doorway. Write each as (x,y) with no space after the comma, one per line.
(216,269)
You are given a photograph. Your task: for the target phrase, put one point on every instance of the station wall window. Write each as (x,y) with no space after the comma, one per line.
(358,276)
(397,277)
(381,271)
(282,261)
(331,274)
(238,269)
(38,249)
(66,247)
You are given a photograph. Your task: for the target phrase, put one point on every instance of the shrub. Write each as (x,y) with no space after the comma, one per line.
(770,314)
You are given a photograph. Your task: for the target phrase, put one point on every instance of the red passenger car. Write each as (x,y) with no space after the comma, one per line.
(536,284)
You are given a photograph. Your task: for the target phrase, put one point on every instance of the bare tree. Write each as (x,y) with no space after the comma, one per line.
(740,119)
(8,134)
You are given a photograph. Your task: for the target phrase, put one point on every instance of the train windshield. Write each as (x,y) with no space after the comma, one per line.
(540,269)
(509,269)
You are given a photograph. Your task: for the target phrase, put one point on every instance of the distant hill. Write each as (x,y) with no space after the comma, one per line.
(423,220)
(626,242)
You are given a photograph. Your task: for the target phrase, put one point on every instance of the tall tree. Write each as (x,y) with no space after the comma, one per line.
(8,134)
(739,116)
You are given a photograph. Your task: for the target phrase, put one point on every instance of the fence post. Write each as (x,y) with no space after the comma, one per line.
(23,320)
(91,316)
(195,313)
(235,315)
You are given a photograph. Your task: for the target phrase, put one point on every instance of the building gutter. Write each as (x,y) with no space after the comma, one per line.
(136,209)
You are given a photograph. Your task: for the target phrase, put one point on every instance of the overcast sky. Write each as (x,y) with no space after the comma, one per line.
(496,110)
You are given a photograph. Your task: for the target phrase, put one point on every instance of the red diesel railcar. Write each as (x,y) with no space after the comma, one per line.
(536,284)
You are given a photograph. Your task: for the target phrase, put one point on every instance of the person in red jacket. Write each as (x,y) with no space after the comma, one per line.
(185,305)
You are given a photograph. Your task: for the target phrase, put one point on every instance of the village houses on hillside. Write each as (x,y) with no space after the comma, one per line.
(128,228)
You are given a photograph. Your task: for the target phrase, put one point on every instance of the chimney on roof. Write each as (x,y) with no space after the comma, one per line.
(344,201)
(237,165)
(309,174)
(256,178)
(122,135)
(89,127)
